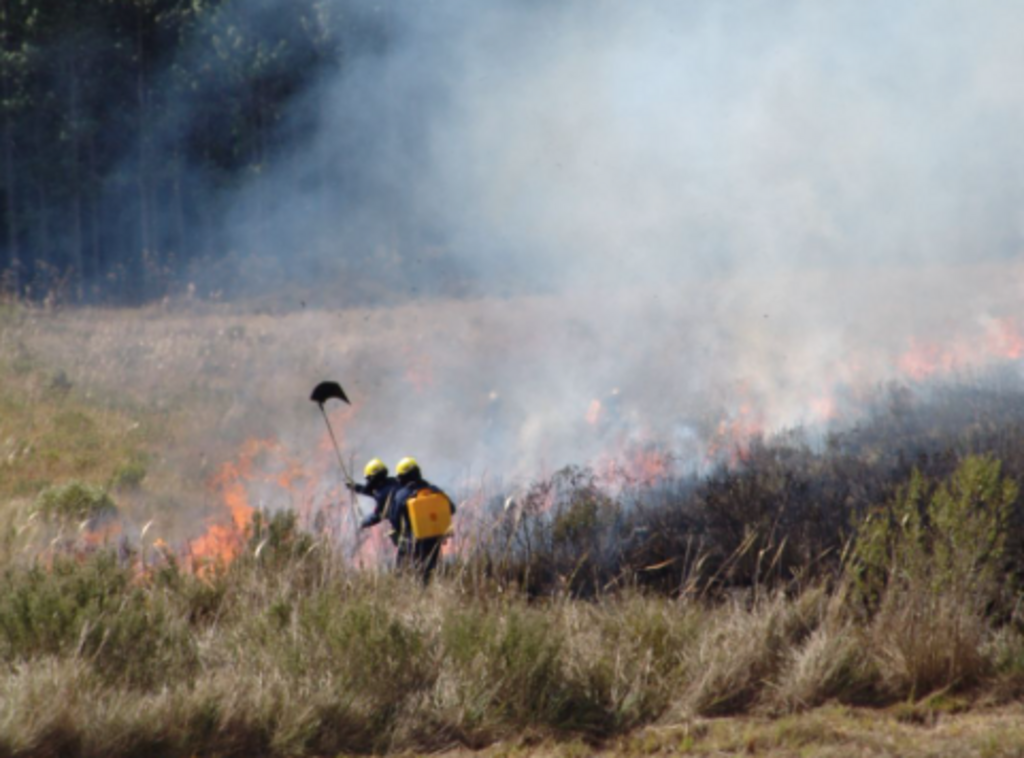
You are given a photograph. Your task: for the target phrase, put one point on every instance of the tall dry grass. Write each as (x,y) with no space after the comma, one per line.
(737,599)
(289,653)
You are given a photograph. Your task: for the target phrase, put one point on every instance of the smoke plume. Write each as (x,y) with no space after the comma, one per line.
(525,234)
(698,214)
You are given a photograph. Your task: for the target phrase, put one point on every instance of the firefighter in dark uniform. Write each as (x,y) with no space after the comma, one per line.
(380,487)
(418,554)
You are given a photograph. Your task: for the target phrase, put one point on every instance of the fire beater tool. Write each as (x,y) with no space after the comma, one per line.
(321,394)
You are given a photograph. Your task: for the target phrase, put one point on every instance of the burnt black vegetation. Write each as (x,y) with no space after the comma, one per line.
(784,513)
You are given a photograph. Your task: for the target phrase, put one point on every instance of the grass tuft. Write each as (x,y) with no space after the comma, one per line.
(75,502)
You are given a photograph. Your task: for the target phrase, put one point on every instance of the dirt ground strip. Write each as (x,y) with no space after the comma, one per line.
(828,731)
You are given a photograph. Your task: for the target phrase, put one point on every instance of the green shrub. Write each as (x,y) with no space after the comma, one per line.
(129,475)
(928,570)
(277,538)
(939,539)
(75,501)
(1006,651)
(95,610)
(511,666)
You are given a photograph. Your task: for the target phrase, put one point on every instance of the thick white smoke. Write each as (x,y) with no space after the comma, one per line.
(717,208)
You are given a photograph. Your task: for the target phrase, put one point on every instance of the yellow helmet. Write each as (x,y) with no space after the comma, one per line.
(406,465)
(375,467)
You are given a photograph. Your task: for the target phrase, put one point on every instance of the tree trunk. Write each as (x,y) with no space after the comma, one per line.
(11,215)
(42,257)
(179,210)
(95,267)
(139,283)
(11,219)
(77,264)
(258,157)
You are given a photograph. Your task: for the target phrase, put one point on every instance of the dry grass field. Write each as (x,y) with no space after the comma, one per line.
(123,438)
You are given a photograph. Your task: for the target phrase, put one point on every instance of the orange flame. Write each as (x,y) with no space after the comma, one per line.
(636,466)
(284,480)
(267,464)
(1002,340)
(101,535)
(1005,339)
(223,541)
(824,408)
(924,361)
(734,435)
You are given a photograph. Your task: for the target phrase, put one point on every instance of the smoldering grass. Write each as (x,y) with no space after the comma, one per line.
(93,611)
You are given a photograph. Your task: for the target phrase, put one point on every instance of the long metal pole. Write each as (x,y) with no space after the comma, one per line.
(337,448)
(344,468)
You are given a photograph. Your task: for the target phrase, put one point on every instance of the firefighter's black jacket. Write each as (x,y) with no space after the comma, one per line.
(383,493)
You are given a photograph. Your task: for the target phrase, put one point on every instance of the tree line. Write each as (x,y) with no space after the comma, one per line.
(125,123)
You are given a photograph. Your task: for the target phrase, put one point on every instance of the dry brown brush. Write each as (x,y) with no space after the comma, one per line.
(287,653)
